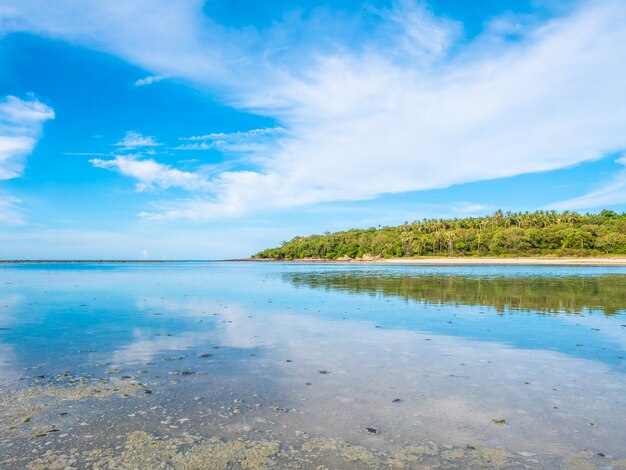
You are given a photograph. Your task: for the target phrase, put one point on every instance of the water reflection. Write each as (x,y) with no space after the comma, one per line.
(541,294)
(236,350)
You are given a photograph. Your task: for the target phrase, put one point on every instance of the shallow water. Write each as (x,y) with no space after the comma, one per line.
(254,365)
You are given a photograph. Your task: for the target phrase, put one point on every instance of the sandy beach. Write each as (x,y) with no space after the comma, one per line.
(621,261)
(512,261)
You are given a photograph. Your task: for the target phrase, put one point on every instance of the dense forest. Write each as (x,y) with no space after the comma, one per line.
(540,233)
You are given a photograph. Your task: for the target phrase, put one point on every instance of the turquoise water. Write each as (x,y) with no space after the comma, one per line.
(528,361)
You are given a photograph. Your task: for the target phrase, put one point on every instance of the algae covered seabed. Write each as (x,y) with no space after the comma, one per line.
(261,365)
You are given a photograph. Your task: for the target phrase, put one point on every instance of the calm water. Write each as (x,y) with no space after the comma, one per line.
(253,365)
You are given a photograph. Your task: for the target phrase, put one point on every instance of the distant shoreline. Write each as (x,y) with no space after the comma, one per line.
(51,261)
(517,261)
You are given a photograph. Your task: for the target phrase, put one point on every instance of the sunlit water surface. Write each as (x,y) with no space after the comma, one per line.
(254,365)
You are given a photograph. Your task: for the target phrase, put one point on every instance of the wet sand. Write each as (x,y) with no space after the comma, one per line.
(512,261)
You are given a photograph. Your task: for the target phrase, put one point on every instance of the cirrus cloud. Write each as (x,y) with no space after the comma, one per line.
(405,106)
(11,212)
(133,140)
(360,125)
(150,80)
(610,193)
(21,123)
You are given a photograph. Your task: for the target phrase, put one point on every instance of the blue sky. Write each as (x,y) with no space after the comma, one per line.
(195,130)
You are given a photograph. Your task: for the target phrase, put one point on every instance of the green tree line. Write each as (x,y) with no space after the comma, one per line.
(540,233)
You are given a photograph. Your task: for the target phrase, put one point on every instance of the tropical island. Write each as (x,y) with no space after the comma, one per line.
(501,235)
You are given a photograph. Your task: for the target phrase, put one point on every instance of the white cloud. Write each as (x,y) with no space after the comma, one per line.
(163,37)
(150,80)
(408,108)
(133,140)
(423,36)
(253,141)
(363,126)
(223,146)
(196,146)
(151,174)
(11,212)
(21,123)
(611,193)
(237,136)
